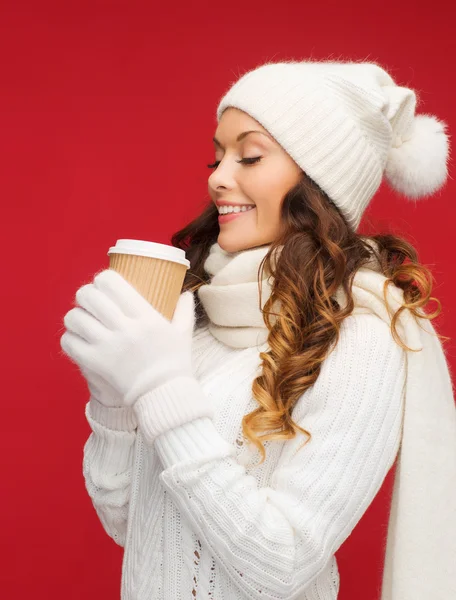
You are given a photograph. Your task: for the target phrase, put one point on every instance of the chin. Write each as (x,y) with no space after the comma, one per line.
(237,245)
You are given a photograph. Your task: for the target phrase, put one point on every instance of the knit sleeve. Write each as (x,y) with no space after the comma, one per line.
(273,541)
(107,465)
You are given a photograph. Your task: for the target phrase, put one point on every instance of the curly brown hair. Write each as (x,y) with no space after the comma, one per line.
(319,252)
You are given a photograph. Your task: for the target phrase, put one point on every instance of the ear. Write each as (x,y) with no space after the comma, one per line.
(184,313)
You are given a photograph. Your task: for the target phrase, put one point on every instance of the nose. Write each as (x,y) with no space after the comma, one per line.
(222,177)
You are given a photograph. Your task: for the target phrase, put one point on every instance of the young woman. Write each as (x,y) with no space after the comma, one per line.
(235,448)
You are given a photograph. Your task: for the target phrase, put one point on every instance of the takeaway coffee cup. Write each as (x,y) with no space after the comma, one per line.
(156,271)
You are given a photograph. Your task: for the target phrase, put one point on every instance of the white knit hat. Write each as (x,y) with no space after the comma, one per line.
(346,124)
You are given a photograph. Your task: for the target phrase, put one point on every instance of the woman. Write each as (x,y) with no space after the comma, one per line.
(235,448)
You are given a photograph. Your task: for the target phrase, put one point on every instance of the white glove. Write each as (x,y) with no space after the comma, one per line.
(122,344)
(101,390)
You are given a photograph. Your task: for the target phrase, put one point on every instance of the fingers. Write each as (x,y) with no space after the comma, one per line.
(95,302)
(121,292)
(77,349)
(184,314)
(85,325)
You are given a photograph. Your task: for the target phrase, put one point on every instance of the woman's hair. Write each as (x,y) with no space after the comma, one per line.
(319,253)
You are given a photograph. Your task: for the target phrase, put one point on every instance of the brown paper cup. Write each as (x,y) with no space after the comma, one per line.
(156,271)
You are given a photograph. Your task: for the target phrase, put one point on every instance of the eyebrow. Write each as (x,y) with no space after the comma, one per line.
(241,136)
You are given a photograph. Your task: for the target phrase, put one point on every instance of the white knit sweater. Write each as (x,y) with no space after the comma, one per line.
(197,521)
(173,482)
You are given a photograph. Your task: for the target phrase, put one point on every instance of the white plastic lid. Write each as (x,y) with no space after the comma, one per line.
(150,249)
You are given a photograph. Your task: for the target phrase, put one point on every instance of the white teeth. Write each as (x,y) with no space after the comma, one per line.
(224,210)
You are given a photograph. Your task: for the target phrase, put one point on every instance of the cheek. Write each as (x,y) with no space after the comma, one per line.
(266,192)
(268,206)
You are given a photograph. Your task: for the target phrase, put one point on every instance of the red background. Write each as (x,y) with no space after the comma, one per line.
(107,115)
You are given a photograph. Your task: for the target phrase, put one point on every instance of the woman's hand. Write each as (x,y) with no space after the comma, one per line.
(118,339)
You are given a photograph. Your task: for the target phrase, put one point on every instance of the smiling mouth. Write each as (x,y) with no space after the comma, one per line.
(232,215)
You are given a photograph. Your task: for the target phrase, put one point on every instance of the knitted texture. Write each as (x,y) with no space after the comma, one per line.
(271,531)
(346,125)
(198,519)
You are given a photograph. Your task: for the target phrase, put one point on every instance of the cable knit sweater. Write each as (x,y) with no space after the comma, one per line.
(181,492)
(221,529)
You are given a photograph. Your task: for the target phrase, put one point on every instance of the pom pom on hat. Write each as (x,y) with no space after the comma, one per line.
(417,167)
(349,126)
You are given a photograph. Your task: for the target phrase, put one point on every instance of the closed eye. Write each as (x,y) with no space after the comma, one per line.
(245,161)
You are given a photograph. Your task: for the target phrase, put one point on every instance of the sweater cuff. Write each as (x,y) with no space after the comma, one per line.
(118,418)
(170,405)
(196,440)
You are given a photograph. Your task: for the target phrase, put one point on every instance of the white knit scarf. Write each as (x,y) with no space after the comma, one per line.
(420,558)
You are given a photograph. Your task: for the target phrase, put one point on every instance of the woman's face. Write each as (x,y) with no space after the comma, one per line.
(262,184)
